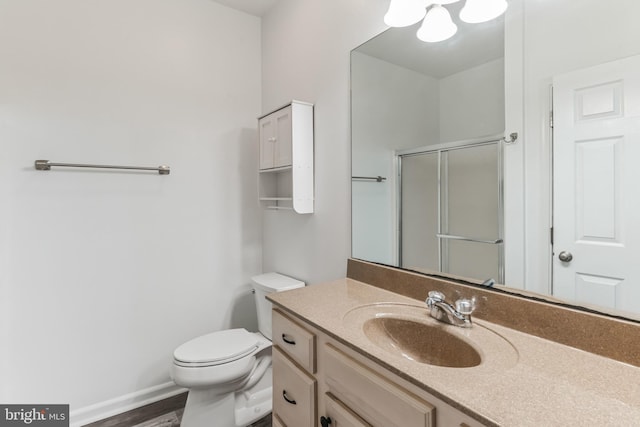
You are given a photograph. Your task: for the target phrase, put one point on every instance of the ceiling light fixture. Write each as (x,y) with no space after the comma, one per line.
(403,13)
(438,25)
(476,11)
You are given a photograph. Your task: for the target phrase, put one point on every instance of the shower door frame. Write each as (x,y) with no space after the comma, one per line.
(439,149)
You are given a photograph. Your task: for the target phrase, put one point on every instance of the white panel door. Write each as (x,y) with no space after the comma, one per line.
(596,206)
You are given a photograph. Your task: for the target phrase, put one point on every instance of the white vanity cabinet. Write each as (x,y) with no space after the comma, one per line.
(286,158)
(348,389)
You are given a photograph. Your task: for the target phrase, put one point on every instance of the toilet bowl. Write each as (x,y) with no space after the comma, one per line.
(228,373)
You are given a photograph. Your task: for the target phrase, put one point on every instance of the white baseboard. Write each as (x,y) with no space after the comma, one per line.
(118,405)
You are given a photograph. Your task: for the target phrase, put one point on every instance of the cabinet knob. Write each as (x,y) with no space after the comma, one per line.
(325,421)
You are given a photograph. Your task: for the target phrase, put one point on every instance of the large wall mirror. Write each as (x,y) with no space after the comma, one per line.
(433,162)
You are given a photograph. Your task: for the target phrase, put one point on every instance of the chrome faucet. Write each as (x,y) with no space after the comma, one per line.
(445,312)
(488,283)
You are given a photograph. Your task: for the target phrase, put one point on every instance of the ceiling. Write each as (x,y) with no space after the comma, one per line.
(252,7)
(472,45)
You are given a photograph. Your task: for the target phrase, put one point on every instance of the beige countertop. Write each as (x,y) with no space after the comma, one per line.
(535,382)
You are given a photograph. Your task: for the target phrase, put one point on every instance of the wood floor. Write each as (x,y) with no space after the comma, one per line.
(166,413)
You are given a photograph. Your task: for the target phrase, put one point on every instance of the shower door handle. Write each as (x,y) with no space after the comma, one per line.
(469,239)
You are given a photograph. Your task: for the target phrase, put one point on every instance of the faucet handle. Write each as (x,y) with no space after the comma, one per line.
(465,306)
(435,296)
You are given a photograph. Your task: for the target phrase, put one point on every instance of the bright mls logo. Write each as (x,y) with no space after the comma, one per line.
(34,415)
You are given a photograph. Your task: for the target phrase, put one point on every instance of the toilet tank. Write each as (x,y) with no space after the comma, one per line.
(267,283)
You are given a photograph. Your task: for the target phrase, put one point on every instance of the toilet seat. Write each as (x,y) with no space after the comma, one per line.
(216,348)
(232,357)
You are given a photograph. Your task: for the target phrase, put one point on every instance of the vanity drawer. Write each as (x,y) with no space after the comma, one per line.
(296,341)
(374,398)
(294,392)
(340,415)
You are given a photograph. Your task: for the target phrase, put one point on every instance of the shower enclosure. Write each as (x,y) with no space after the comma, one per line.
(450,211)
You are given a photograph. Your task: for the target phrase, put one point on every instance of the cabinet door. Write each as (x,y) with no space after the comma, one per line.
(374,398)
(340,415)
(267,133)
(294,392)
(283,134)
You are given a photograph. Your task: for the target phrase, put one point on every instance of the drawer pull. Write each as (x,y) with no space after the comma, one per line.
(291,401)
(288,340)
(325,421)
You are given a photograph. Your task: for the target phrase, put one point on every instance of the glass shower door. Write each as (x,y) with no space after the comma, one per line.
(452,223)
(471,212)
(419,248)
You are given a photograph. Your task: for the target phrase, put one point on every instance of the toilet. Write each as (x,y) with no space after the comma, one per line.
(228,373)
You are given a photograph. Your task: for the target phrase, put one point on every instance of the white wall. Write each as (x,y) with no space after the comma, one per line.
(103,274)
(306,45)
(556,37)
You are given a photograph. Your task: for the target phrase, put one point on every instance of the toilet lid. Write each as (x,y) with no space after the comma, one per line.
(216,348)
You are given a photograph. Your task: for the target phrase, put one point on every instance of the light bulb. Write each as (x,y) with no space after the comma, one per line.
(476,11)
(403,13)
(437,25)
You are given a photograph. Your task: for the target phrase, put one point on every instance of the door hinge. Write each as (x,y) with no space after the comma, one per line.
(551,235)
(551,119)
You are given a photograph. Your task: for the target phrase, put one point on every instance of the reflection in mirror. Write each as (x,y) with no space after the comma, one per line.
(574,90)
(425,118)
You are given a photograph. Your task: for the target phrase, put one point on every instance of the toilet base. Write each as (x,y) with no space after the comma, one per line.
(206,407)
(255,402)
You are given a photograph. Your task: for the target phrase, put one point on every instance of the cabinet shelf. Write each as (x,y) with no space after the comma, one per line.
(286,158)
(279,208)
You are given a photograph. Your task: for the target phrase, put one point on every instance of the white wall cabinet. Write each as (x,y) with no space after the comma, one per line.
(333,386)
(286,158)
(275,139)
